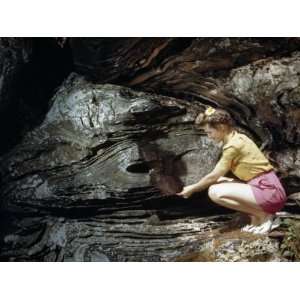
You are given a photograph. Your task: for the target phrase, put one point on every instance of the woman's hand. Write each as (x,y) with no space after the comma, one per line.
(224,179)
(187,191)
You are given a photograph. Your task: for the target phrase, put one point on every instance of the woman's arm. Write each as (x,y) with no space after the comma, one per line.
(222,167)
(203,183)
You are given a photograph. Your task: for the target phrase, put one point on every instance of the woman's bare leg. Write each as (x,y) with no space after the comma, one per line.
(238,196)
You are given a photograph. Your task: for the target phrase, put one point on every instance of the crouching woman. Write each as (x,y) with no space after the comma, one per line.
(259,194)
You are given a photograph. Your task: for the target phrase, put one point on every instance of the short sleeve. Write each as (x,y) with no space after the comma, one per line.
(224,164)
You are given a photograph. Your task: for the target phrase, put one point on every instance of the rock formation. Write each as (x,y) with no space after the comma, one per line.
(96,179)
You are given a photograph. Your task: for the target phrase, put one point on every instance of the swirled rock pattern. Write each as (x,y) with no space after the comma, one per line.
(246,76)
(105,149)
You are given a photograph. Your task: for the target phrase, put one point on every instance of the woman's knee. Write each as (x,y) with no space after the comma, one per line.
(213,192)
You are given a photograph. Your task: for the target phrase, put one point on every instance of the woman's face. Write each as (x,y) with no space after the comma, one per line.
(216,134)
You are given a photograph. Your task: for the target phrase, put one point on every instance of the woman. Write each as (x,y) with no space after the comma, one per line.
(259,194)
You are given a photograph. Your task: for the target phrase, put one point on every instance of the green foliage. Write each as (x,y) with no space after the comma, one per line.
(290,245)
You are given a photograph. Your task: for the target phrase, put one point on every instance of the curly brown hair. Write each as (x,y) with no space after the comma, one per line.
(214,118)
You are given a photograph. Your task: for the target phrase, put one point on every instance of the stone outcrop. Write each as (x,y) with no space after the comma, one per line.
(96,179)
(105,150)
(246,76)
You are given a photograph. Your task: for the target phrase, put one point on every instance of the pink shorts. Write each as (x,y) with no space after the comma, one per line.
(268,192)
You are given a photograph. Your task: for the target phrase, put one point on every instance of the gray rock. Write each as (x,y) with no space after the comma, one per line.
(104,149)
(271,88)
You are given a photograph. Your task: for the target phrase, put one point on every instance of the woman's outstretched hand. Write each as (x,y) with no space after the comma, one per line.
(224,179)
(187,191)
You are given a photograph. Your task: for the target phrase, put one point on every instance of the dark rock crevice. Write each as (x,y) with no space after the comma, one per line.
(37,70)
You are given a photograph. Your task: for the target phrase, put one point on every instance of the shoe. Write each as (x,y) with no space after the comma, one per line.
(247,228)
(276,223)
(267,226)
(263,228)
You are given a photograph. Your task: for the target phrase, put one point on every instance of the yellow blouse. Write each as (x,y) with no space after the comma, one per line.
(243,158)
